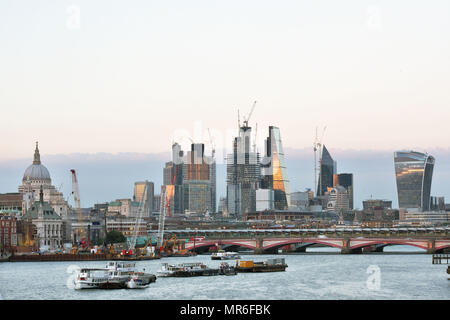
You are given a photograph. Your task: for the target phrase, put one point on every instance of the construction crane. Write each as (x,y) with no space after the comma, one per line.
(213,152)
(166,199)
(256,138)
(76,198)
(317,148)
(246,120)
(141,209)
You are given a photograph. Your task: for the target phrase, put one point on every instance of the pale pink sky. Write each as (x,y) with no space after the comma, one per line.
(127,78)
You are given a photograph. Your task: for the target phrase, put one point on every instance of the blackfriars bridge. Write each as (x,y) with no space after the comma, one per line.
(348,240)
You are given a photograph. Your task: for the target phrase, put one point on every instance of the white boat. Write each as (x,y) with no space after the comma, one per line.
(223,255)
(116,275)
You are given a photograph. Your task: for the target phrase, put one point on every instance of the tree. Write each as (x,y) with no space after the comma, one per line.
(115,237)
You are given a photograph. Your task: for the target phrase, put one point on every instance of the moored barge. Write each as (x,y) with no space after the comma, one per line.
(196,269)
(271,265)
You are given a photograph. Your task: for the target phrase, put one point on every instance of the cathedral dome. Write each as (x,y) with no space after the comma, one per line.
(37,171)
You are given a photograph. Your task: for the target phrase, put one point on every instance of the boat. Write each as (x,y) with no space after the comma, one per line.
(116,275)
(271,265)
(223,255)
(196,269)
(227,270)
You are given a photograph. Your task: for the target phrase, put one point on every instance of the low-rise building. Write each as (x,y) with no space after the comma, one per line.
(48,223)
(8,233)
(279,215)
(126,226)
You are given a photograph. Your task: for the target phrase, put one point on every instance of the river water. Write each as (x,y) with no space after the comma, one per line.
(321,273)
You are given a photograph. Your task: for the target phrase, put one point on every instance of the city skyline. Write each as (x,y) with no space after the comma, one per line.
(374,173)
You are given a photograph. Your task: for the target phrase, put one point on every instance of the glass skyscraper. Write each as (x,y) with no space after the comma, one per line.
(327,172)
(413,172)
(274,170)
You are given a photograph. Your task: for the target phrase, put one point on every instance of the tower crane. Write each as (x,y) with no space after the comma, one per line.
(132,243)
(318,147)
(246,120)
(213,152)
(76,198)
(166,199)
(256,138)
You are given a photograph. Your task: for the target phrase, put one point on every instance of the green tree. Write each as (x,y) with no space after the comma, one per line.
(115,237)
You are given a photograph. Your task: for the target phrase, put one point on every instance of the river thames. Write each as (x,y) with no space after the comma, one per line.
(317,275)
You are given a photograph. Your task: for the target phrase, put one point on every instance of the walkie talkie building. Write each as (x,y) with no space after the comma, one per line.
(413,172)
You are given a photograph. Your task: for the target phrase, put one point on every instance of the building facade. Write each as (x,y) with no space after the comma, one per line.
(145,191)
(328,169)
(173,181)
(35,176)
(274,170)
(49,225)
(413,172)
(345,180)
(199,185)
(243,174)
(8,233)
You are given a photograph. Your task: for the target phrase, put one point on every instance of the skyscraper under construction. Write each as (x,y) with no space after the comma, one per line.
(243,174)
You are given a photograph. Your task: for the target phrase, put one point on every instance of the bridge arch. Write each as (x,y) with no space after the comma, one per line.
(206,244)
(335,243)
(421,244)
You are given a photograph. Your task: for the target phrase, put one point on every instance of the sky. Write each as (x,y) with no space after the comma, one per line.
(114,77)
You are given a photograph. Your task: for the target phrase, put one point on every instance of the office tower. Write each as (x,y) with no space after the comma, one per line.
(265,199)
(173,180)
(149,189)
(300,200)
(345,180)
(338,199)
(243,174)
(157,203)
(199,185)
(327,171)
(274,170)
(413,171)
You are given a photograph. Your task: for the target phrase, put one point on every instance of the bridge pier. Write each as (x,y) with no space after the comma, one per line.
(373,248)
(431,248)
(351,251)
